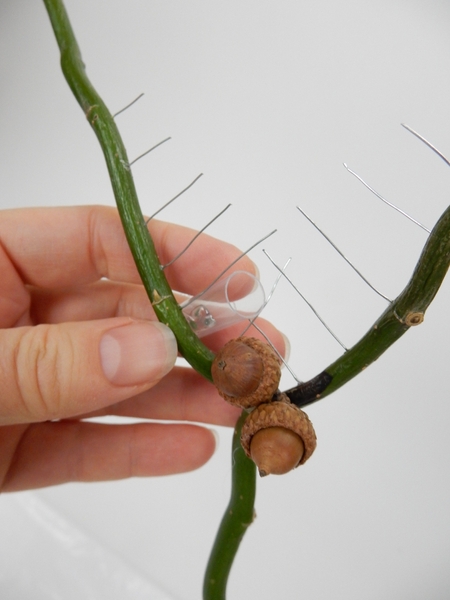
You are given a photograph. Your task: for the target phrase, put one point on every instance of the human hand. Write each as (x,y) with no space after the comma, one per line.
(79,339)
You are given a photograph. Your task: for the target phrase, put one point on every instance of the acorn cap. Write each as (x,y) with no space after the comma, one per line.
(266,379)
(280,413)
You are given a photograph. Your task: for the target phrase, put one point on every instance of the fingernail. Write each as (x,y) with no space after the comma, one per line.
(257,278)
(287,347)
(137,353)
(216,439)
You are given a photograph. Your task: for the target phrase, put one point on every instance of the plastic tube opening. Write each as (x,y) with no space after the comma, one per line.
(237,298)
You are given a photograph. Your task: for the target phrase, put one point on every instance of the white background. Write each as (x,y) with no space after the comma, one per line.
(268,99)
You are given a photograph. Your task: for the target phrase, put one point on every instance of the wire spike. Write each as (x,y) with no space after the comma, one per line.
(148,151)
(252,323)
(344,257)
(269,297)
(305,300)
(277,280)
(273,288)
(429,144)
(229,267)
(195,237)
(402,212)
(127,106)
(174,198)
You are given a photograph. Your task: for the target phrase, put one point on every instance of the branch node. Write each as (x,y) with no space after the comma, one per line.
(157,298)
(414,318)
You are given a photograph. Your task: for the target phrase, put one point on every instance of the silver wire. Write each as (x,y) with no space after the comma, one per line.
(269,297)
(429,144)
(127,106)
(148,151)
(277,280)
(277,353)
(273,288)
(229,267)
(343,256)
(253,319)
(195,237)
(251,322)
(174,198)
(384,199)
(306,301)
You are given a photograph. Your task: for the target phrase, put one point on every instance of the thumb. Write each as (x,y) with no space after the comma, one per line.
(60,371)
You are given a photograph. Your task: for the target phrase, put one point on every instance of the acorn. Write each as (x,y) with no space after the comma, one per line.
(246,372)
(278,437)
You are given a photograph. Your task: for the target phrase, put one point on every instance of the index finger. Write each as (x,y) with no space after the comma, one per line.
(69,246)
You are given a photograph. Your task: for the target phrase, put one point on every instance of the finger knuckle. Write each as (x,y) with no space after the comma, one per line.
(38,368)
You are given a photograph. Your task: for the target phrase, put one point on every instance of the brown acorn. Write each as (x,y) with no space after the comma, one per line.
(278,437)
(246,372)
(276,450)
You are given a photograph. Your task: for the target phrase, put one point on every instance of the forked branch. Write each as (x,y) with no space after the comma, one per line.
(404,312)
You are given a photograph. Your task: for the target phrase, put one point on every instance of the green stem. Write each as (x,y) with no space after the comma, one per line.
(240,512)
(138,236)
(238,516)
(407,310)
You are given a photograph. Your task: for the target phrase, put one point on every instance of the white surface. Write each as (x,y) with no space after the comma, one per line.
(268,99)
(50,558)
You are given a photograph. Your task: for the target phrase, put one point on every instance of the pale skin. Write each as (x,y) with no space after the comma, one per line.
(75,327)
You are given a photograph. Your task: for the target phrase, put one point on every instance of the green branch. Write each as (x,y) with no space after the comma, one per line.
(139,239)
(406,311)
(240,511)
(238,516)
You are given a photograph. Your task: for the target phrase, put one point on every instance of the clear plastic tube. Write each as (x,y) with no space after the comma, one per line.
(239,297)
